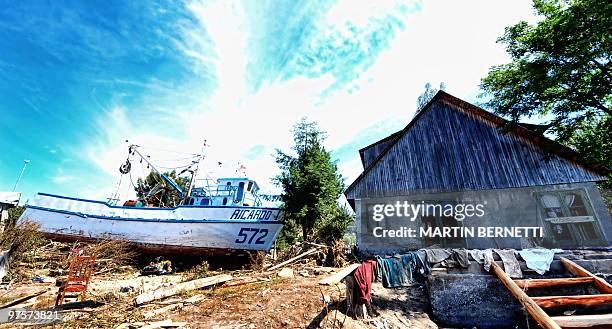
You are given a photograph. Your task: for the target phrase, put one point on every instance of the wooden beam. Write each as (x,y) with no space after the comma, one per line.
(536,312)
(583,321)
(543,283)
(602,285)
(291,260)
(583,300)
(338,276)
(180,287)
(20,300)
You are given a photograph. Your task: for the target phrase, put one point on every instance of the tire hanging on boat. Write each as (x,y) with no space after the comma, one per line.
(125,168)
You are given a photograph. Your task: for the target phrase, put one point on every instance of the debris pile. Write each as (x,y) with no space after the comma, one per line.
(284,292)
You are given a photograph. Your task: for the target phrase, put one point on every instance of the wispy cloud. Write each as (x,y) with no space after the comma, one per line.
(237,74)
(63,179)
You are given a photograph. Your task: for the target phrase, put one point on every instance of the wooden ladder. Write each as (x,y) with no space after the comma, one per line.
(535,305)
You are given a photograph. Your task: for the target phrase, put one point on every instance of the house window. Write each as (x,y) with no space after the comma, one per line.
(569,217)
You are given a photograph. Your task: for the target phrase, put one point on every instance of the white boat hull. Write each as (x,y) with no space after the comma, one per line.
(189,229)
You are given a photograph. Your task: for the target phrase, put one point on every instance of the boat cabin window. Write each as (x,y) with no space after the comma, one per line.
(249,186)
(240,191)
(191,201)
(224,201)
(204,202)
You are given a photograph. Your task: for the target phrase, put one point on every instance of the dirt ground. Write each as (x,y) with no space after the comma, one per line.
(270,302)
(251,299)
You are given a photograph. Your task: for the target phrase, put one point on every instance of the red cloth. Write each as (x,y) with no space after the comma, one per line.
(364,276)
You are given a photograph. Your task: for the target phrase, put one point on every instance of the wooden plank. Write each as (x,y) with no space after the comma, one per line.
(338,276)
(180,287)
(291,260)
(20,300)
(78,305)
(602,285)
(583,300)
(163,310)
(543,283)
(536,312)
(583,321)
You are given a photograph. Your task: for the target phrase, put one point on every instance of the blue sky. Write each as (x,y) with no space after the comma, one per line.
(79,78)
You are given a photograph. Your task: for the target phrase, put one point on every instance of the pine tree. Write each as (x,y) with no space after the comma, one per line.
(311,188)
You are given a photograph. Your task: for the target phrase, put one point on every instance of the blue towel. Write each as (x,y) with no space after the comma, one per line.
(400,270)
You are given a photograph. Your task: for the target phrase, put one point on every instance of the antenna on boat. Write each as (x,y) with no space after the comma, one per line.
(194,173)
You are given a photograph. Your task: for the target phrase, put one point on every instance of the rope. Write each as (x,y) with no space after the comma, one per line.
(115,196)
(166,150)
(524,308)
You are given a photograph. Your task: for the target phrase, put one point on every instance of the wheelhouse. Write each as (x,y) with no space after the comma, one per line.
(226,192)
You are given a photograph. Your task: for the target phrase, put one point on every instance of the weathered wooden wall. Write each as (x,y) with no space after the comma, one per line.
(369,153)
(449,149)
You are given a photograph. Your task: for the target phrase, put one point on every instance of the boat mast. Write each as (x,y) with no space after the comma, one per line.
(195,172)
(134,150)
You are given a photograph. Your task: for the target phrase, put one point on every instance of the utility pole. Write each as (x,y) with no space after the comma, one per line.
(25,163)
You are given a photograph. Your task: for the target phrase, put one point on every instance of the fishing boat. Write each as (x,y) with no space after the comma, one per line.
(225,218)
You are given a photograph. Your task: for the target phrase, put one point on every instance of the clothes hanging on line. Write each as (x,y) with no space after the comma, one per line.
(364,276)
(477,255)
(539,259)
(435,256)
(448,257)
(488,258)
(511,264)
(424,268)
(401,270)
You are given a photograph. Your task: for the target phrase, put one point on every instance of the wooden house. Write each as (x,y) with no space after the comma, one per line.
(453,152)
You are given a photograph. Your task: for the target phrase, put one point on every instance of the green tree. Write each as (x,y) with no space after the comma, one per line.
(14,214)
(156,192)
(427,95)
(560,67)
(593,139)
(311,188)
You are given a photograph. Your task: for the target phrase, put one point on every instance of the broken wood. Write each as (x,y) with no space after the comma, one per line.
(582,300)
(180,287)
(534,309)
(543,283)
(23,299)
(164,324)
(349,293)
(583,321)
(242,281)
(291,260)
(194,299)
(602,285)
(111,269)
(338,276)
(161,310)
(77,305)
